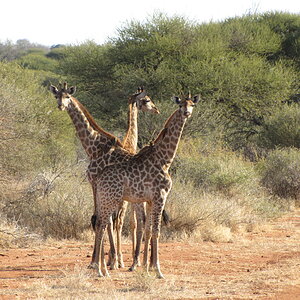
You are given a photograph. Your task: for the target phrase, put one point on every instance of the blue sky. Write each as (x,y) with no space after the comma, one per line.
(75,21)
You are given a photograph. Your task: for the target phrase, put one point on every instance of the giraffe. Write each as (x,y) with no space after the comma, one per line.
(137,102)
(98,143)
(144,177)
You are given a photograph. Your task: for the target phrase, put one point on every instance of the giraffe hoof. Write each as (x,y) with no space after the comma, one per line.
(132,268)
(104,274)
(121,264)
(159,275)
(93,265)
(114,266)
(100,274)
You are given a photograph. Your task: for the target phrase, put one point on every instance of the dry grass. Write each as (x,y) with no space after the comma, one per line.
(12,235)
(261,281)
(258,265)
(79,283)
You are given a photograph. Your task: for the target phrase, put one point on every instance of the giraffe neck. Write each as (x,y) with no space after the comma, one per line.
(131,137)
(166,144)
(93,138)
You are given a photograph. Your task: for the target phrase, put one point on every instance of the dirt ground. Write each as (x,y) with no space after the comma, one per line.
(262,264)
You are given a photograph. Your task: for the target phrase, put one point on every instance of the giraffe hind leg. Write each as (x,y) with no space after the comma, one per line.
(119,227)
(139,232)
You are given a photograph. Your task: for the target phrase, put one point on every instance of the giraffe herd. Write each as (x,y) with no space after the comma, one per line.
(118,175)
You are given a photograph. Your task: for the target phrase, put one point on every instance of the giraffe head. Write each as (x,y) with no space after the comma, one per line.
(63,95)
(143,102)
(186,104)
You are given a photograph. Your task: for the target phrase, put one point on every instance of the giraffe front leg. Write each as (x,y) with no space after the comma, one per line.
(156,220)
(103,271)
(156,264)
(98,247)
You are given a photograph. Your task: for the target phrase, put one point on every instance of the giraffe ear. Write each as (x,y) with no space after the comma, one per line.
(196,99)
(176,100)
(141,94)
(71,90)
(139,89)
(54,90)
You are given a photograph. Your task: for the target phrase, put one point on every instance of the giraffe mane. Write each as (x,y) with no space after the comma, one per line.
(94,125)
(146,150)
(163,131)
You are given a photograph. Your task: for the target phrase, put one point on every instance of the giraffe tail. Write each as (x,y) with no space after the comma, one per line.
(93,221)
(166,218)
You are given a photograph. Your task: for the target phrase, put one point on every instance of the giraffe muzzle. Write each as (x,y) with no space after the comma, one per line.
(156,111)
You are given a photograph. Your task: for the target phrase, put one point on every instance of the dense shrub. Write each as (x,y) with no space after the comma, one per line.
(33,132)
(280,172)
(36,60)
(281,128)
(218,170)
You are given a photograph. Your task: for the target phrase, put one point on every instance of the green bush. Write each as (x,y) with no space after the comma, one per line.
(217,171)
(37,61)
(280,172)
(281,128)
(34,133)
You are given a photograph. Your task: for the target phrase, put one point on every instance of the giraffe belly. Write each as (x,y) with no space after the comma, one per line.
(138,193)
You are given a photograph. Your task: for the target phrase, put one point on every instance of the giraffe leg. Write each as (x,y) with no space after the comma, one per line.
(140,222)
(119,227)
(156,265)
(112,261)
(103,264)
(147,236)
(98,247)
(133,226)
(156,220)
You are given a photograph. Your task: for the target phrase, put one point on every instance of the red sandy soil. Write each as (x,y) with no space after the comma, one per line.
(262,264)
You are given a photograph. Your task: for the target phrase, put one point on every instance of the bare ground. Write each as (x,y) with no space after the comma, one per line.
(262,264)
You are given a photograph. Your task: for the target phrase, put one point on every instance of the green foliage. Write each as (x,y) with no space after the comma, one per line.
(287,27)
(33,133)
(281,128)
(235,65)
(218,170)
(251,34)
(88,67)
(56,52)
(36,60)
(281,172)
